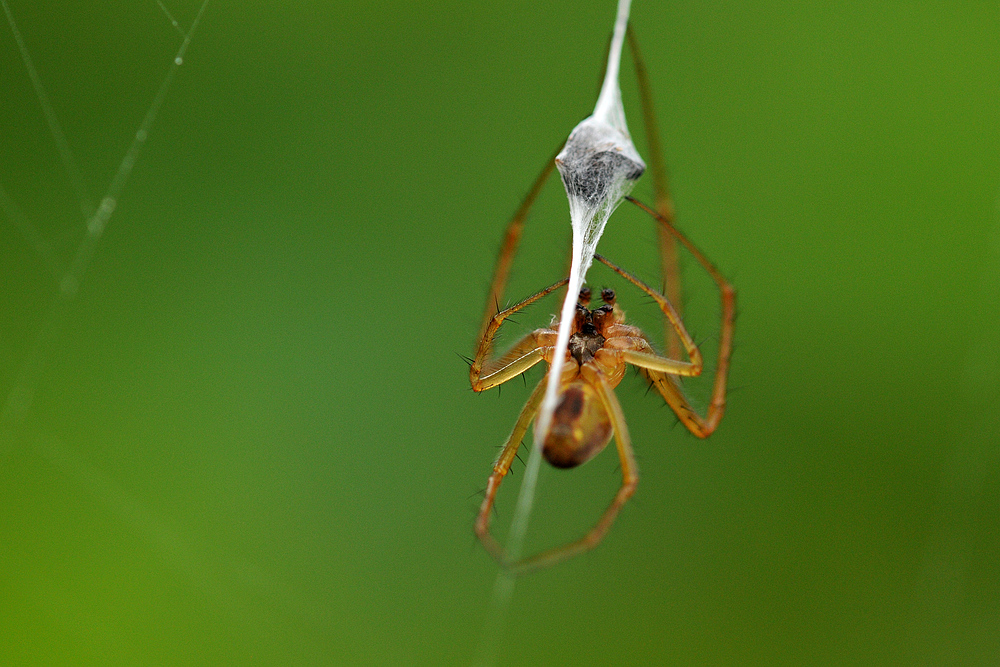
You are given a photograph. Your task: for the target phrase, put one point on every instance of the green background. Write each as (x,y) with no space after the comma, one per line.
(251,440)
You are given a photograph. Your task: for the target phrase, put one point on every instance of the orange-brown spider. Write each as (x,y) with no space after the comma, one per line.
(601,345)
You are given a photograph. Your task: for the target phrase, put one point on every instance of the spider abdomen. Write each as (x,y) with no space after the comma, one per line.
(580,427)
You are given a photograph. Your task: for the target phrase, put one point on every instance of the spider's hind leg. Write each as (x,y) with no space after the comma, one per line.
(500,469)
(630,480)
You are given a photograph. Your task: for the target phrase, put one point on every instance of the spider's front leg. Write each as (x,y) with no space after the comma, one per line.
(662,371)
(511,240)
(488,373)
(642,354)
(667,385)
(669,238)
(485,372)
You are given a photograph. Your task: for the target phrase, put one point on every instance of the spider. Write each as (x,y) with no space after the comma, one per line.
(602,344)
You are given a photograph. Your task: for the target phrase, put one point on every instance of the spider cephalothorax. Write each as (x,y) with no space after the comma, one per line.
(589,326)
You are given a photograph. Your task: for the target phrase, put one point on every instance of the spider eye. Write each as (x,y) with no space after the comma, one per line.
(585,296)
(608,296)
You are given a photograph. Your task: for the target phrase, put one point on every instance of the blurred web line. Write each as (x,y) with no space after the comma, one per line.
(65,154)
(167,543)
(172,20)
(217,581)
(20,396)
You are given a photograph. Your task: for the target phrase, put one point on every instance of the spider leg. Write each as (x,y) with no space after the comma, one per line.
(669,263)
(500,469)
(511,239)
(672,317)
(523,355)
(630,479)
(669,236)
(727,295)
(647,359)
(486,372)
